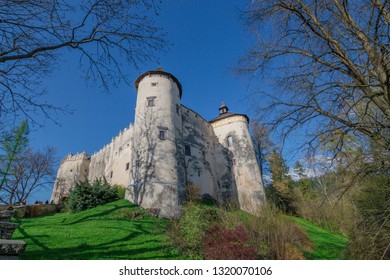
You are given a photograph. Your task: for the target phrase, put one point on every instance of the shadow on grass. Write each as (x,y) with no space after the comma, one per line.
(121,248)
(95,234)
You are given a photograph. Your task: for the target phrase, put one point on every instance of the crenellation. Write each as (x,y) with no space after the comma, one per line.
(168,147)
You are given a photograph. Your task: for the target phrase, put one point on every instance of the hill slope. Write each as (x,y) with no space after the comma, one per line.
(120,230)
(117,230)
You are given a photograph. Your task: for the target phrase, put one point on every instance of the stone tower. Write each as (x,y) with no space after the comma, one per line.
(73,169)
(157,166)
(232,132)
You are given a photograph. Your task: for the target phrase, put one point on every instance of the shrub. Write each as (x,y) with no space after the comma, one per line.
(193,193)
(86,195)
(276,236)
(121,191)
(187,233)
(371,237)
(222,243)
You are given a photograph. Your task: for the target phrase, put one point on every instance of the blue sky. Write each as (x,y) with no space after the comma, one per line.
(207,38)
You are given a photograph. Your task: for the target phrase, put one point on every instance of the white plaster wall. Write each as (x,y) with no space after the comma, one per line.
(73,169)
(245,168)
(111,161)
(198,134)
(156,178)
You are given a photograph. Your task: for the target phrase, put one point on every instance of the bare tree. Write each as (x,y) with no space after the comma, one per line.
(331,62)
(32,171)
(107,35)
(262,143)
(22,170)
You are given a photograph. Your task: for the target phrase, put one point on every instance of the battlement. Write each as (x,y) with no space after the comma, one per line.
(169,146)
(75,157)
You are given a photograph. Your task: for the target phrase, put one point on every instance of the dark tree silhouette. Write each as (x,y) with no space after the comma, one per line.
(107,35)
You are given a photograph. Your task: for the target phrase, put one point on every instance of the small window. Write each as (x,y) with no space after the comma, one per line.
(71,170)
(162,135)
(111,173)
(187,150)
(154,84)
(127,166)
(230,141)
(198,172)
(150,100)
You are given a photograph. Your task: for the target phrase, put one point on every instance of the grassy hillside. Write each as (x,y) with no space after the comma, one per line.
(327,245)
(120,230)
(117,230)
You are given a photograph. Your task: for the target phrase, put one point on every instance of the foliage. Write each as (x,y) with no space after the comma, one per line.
(277,237)
(22,169)
(280,192)
(371,238)
(86,195)
(262,143)
(121,191)
(221,243)
(193,193)
(107,36)
(103,233)
(333,67)
(187,233)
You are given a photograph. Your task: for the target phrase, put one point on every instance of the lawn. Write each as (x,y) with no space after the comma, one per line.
(328,245)
(109,231)
(120,230)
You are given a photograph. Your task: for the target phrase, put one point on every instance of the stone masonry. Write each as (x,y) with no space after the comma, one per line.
(168,147)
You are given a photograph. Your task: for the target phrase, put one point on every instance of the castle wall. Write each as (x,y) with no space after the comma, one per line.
(200,165)
(73,169)
(245,168)
(169,146)
(113,160)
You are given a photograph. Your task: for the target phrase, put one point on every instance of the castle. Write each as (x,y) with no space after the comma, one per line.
(168,147)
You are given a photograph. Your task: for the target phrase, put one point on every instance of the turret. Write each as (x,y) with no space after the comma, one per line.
(73,169)
(232,132)
(157,173)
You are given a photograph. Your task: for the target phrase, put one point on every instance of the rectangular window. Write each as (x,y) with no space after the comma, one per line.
(111,174)
(162,135)
(230,141)
(150,100)
(187,150)
(127,166)
(154,84)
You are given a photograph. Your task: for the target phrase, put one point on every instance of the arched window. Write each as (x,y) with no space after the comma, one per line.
(230,141)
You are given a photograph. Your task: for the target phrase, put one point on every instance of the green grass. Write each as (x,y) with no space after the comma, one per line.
(105,232)
(112,231)
(328,245)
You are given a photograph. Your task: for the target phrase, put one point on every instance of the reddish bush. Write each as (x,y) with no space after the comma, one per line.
(228,244)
